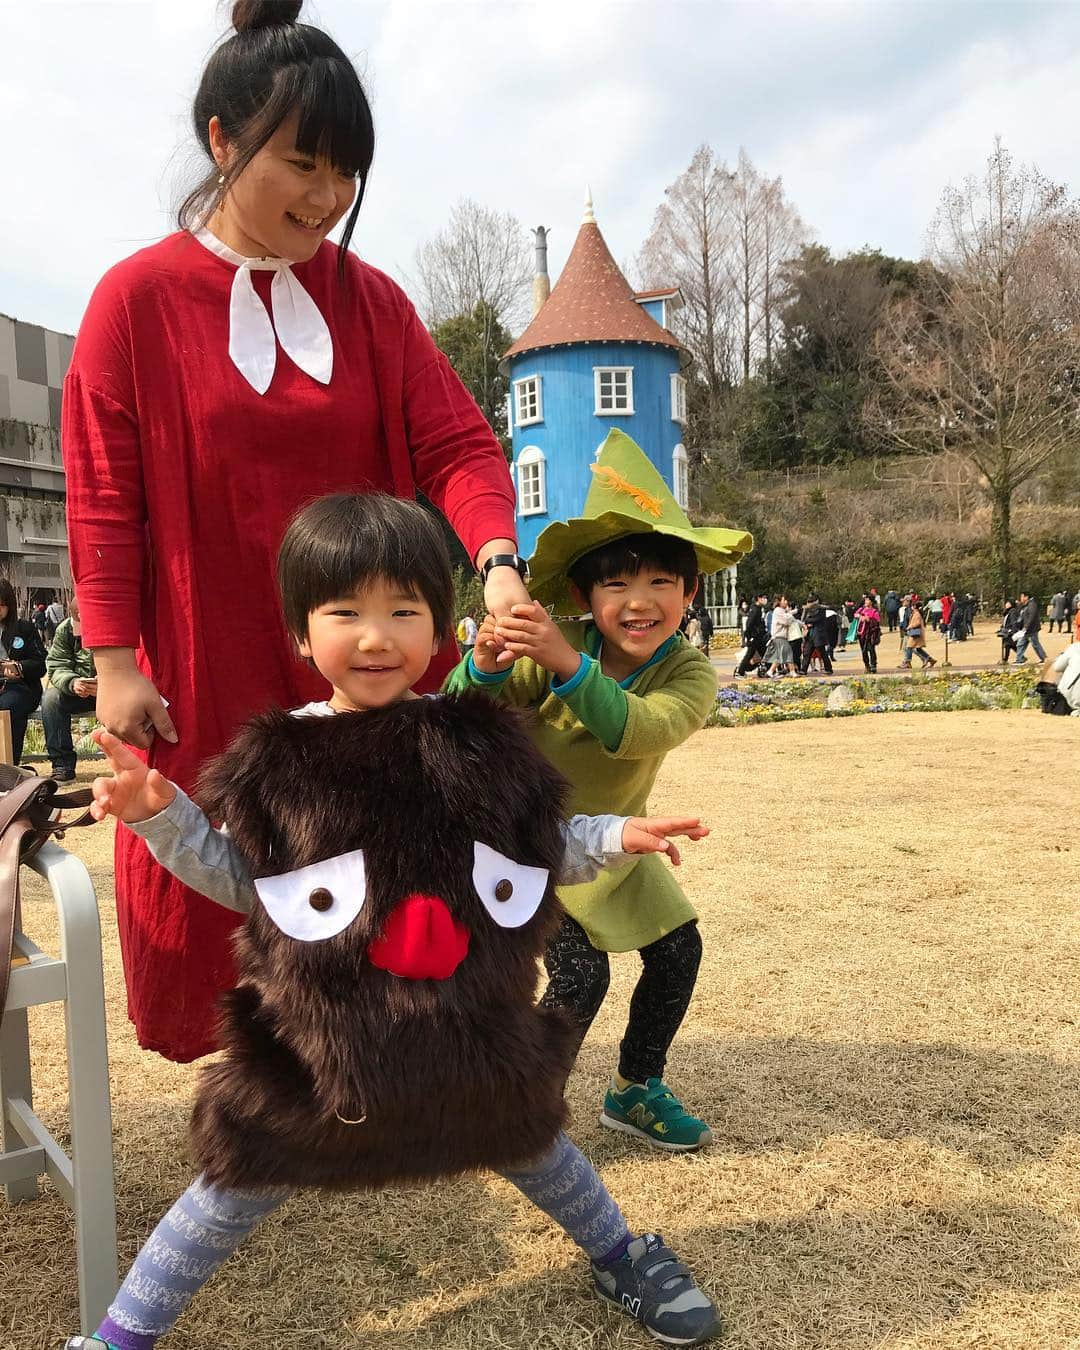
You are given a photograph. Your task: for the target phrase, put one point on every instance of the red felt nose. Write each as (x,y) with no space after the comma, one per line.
(420,941)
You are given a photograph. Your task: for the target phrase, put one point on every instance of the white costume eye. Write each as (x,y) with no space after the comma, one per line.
(511,892)
(317,902)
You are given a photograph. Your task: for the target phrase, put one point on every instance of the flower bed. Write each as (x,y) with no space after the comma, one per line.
(790,700)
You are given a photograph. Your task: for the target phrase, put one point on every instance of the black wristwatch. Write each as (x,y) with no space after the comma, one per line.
(514,560)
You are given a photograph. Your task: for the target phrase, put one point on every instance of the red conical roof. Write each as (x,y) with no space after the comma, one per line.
(591,302)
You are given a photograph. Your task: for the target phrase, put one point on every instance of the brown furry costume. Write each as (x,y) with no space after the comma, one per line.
(443,1075)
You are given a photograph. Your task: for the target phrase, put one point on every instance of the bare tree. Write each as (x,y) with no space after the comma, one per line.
(723,237)
(688,247)
(783,235)
(482,257)
(986,359)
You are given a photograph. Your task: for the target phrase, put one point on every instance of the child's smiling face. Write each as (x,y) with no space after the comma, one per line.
(636,614)
(372,645)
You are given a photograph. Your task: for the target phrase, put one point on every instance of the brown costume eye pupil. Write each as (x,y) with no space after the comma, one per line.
(504,890)
(320,899)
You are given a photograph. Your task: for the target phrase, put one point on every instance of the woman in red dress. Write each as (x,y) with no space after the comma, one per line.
(222,378)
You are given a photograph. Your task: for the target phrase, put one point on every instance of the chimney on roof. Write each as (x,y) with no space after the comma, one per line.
(541,281)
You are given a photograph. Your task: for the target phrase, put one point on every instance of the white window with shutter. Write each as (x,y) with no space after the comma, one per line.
(531,482)
(614,391)
(680,476)
(678,399)
(528,402)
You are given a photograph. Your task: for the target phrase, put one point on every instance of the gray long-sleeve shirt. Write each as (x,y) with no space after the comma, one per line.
(184,842)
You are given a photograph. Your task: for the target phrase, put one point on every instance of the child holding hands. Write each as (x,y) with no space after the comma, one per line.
(612,697)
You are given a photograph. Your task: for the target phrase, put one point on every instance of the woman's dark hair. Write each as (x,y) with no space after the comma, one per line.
(627,556)
(339,544)
(269,68)
(9,598)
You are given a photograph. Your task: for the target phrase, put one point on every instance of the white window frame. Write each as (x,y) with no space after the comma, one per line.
(628,371)
(531,487)
(523,396)
(678,399)
(680,476)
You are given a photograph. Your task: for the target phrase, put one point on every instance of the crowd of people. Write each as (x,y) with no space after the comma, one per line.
(779,637)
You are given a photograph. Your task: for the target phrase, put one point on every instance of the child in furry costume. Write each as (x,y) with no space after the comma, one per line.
(397,858)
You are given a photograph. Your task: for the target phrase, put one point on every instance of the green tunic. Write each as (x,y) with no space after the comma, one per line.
(609,740)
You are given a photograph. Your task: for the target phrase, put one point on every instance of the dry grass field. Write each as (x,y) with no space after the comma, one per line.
(884,1039)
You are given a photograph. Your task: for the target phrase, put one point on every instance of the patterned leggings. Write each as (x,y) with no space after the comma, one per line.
(579,976)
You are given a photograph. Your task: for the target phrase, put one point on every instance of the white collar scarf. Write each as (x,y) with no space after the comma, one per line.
(297,324)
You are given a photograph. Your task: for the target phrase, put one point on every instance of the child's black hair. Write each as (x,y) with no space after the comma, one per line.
(270,67)
(628,555)
(340,544)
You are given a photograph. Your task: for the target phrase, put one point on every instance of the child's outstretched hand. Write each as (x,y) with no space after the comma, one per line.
(529,630)
(488,654)
(650,834)
(134,792)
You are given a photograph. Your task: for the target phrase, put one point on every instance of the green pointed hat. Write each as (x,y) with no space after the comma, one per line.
(626,496)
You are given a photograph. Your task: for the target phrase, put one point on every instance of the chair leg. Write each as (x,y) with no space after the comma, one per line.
(15,1081)
(91,1114)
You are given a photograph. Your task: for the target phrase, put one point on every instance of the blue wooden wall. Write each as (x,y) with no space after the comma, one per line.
(571,432)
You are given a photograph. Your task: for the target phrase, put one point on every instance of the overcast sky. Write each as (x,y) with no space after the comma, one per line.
(867,110)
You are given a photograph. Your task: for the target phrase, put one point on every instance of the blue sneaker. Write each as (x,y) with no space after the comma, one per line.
(651,1285)
(654,1114)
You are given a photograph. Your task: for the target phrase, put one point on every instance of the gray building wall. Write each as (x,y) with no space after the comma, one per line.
(33,538)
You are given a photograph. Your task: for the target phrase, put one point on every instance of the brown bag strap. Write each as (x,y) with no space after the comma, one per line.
(27,803)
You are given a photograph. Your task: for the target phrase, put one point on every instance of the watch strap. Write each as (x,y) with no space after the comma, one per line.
(514,560)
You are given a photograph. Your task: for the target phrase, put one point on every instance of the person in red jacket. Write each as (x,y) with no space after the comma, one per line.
(220,379)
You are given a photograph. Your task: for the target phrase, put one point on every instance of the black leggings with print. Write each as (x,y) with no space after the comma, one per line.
(579,976)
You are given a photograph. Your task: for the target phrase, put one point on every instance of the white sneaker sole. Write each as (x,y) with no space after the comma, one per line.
(625,1128)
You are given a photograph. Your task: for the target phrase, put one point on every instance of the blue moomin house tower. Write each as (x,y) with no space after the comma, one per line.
(596,356)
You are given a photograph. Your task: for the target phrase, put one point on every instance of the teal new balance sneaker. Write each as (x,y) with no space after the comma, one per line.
(654,1114)
(87,1343)
(653,1286)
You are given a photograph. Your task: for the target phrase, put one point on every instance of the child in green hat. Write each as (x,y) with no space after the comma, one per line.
(612,697)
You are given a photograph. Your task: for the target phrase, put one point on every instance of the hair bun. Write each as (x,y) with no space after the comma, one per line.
(249,15)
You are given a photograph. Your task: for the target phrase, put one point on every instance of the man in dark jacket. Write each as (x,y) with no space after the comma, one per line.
(892,609)
(705,622)
(817,635)
(72,692)
(1028,629)
(755,636)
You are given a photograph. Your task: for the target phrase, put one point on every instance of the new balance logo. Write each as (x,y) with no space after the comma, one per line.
(640,1116)
(632,1305)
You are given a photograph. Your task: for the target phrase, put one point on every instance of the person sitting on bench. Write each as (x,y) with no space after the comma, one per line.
(72,692)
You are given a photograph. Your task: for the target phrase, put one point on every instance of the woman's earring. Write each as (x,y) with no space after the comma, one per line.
(221,180)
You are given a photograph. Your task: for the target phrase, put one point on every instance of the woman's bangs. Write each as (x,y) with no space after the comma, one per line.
(334,118)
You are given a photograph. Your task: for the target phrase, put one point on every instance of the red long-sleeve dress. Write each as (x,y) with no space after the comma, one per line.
(180,480)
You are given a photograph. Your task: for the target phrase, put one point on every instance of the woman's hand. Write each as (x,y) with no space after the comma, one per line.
(650,834)
(529,630)
(130,707)
(502,590)
(134,792)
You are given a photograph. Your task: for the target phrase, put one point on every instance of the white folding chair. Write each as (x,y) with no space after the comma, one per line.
(27,1149)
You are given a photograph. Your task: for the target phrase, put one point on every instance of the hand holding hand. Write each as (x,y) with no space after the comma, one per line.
(134,792)
(650,834)
(488,648)
(529,630)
